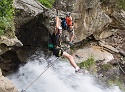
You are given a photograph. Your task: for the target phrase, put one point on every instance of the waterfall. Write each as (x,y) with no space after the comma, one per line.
(60,77)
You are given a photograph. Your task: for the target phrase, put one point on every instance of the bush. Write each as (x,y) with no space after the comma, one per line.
(88,64)
(121,4)
(117,82)
(6,16)
(47,3)
(106,67)
(117,3)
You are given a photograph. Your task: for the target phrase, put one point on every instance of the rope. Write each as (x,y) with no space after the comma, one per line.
(24,90)
(57,4)
(121,68)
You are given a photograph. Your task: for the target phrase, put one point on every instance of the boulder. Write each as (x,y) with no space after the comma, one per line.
(26,10)
(6,85)
(119,19)
(10,41)
(6,43)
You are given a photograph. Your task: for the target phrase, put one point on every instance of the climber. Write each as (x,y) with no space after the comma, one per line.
(70,27)
(55,45)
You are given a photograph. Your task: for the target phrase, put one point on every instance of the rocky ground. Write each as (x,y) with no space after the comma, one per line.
(6,85)
(109,55)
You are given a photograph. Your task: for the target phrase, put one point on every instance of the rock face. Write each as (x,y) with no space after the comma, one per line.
(96,52)
(26,10)
(10,42)
(91,18)
(33,27)
(7,43)
(88,16)
(33,33)
(6,85)
(119,19)
(30,20)
(9,62)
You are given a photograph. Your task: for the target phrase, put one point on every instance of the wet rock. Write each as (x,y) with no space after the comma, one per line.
(6,85)
(10,62)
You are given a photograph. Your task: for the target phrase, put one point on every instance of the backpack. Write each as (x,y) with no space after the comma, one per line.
(63,24)
(53,41)
(50,44)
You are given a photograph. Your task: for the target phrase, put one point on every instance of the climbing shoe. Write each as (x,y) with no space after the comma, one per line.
(79,71)
(70,43)
(82,71)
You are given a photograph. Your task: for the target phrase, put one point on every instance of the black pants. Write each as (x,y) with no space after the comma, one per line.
(58,52)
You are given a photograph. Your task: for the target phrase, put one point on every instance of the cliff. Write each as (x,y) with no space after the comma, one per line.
(104,25)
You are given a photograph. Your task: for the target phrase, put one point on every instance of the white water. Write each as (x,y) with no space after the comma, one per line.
(59,78)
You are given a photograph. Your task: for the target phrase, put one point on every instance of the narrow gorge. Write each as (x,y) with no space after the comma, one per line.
(99,46)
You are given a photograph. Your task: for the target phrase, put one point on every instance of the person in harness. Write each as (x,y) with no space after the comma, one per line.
(70,28)
(55,45)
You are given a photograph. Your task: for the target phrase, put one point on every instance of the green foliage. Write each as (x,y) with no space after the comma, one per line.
(1,32)
(6,16)
(88,64)
(117,82)
(117,3)
(106,67)
(47,3)
(124,58)
(121,4)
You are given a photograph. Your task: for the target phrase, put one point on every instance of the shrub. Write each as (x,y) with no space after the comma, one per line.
(121,4)
(6,16)
(106,67)
(117,3)
(117,82)
(47,3)
(88,64)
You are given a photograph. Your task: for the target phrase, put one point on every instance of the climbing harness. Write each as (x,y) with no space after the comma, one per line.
(24,90)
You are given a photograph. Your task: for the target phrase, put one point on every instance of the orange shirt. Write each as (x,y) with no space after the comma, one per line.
(68,21)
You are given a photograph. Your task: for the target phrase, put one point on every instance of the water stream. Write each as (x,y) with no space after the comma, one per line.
(59,78)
